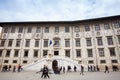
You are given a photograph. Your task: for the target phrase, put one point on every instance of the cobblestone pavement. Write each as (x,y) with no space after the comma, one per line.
(30,75)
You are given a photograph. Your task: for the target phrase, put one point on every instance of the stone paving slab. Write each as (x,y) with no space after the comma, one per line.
(30,75)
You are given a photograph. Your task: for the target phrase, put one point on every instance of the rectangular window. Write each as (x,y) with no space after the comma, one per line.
(26,53)
(56,43)
(1,52)
(112,52)
(90,62)
(102,61)
(20,30)
(18,42)
(118,39)
(16,53)
(14,61)
(12,29)
(67,43)
(37,43)
(114,61)
(7,53)
(99,41)
(77,42)
(67,53)
(45,52)
(106,26)
(38,29)
(67,29)
(77,29)
(56,53)
(6,61)
(87,28)
(109,40)
(56,28)
(89,51)
(29,30)
(78,53)
(97,27)
(45,43)
(101,52)
(36,53)
(88,42)
(10,42)
(2,43)
(27,44)
(116,24)
(25,62)
(46,29)
(5,30)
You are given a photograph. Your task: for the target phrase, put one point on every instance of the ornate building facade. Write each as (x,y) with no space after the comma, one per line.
(88,42)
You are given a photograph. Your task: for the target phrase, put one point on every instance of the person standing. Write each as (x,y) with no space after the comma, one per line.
(75,68)
(82,70)
(47,71)
(91,68)
(43,72)
(63,69)
(14,68)
(106,69)
(60,68)
(19,67)
(88,68)
(9,68)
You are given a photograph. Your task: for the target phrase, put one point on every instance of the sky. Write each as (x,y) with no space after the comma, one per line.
(56,10)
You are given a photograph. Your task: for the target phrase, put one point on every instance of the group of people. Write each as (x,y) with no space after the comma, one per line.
(115,68)
(45,72)
(92,68)
(8,68)
(75,69)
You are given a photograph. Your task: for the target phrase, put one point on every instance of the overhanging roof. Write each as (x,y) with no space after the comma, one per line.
(63,22)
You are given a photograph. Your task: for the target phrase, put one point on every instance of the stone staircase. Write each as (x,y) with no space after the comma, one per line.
(62,61)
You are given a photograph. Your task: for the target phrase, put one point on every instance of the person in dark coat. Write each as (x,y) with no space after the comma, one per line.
(88,68)
(9,68)
(82,70)
(106,69)
(63,69)
(75,68)
(69,68)
(45,72)
(60,68)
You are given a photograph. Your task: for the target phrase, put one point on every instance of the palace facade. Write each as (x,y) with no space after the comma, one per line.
(89,42)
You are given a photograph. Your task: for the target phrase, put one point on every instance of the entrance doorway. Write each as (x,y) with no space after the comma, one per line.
(56,53)
(55,65)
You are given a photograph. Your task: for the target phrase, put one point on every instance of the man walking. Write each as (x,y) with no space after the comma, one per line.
(75,68)
(106,69)
(82,70)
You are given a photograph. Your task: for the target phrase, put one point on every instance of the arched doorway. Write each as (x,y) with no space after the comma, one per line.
(55,65)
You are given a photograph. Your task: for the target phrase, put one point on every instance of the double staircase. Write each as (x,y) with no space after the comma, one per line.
(61,61)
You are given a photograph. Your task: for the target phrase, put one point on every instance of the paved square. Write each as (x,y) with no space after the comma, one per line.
(29,75)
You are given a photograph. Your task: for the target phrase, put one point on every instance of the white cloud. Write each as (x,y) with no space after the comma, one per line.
(52,10)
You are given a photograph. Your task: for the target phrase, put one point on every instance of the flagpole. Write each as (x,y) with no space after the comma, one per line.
(49,60)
